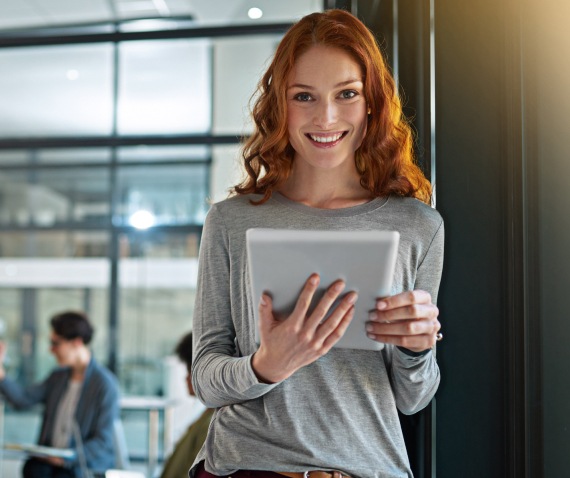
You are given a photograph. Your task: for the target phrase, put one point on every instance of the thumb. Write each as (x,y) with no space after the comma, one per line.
(265,312)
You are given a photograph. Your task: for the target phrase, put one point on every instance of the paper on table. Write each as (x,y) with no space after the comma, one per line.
(40,450)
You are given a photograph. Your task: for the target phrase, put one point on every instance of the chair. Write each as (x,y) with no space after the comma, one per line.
(120,443)
(121,455)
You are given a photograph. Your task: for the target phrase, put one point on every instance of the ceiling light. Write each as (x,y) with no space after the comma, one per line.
(72,75)
(254,13)
(142,219)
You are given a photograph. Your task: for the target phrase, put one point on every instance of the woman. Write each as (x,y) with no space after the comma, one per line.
(80,394)
(331,150)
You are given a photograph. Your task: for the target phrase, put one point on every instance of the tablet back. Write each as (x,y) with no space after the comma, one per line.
(281,261)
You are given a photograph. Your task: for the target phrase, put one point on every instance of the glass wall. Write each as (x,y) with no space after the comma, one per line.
(56,91)
(111,152)
(75,199)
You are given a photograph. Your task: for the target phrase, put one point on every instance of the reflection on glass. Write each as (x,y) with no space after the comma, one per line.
(172,194)
(164,87)
(163,153)
(50,197)
(45,100)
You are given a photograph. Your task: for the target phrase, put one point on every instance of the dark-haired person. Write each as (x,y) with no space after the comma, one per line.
(331,150)
(80,391)
(189,445)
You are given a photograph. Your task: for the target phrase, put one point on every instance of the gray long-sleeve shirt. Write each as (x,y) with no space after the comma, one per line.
(339,412)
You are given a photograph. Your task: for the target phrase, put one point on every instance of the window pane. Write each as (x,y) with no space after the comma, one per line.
(164,153)
(16,156)
(239,64)
(54,244)
(10,326)
(158,274)
(74,156)
(50,197)
(56,90)
(166,194)
(55,155)
(165,87)
(226,170)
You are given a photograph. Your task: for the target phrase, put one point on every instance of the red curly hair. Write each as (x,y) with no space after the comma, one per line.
(385,159)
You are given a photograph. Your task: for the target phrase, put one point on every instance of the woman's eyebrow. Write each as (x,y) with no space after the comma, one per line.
(308,87)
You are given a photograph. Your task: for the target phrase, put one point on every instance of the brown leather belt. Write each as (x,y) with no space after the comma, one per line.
(315,474)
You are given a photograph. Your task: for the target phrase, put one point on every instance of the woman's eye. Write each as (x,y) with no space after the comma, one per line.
(302,97)
(348,94)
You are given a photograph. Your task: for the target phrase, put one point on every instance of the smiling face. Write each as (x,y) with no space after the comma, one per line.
(326,109)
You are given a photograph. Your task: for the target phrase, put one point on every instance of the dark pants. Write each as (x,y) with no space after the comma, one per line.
(35,468)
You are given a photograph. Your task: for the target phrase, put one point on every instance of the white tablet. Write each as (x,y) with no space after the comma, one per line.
(281,260)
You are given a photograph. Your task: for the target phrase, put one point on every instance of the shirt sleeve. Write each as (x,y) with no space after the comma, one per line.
(415,378)
(218,376)
(20,397)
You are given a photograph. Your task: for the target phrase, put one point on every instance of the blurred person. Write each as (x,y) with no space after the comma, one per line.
(331,150)
(80,393)
(183,455)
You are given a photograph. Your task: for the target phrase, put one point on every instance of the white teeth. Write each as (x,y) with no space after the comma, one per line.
(326,139)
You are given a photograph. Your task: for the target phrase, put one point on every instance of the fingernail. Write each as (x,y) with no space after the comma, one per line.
(351,299)
(339,286)
(373,316)
(380,305)
(370,336)
(263,301)
(369,327)
(313,280)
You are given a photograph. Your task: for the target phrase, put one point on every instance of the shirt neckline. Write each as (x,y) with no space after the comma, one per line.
(364,208)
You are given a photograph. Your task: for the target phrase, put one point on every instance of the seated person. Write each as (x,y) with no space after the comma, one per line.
(178,464)
(80,394)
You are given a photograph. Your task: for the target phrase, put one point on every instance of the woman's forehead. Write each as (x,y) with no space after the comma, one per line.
(323,63)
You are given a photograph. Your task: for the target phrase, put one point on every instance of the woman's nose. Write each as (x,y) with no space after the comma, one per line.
(325,114)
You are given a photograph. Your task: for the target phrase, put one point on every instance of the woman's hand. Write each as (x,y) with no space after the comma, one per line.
(408,319)
(287,345)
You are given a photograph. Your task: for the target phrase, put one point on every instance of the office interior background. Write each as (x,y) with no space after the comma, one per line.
(120,122)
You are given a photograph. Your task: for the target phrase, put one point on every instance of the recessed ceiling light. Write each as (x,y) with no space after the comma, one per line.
(72,75)
(254,13)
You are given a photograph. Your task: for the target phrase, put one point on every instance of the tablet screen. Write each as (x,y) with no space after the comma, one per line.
(281,260)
